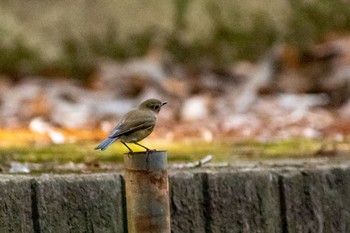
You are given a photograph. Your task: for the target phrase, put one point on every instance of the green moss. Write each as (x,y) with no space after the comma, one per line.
(298,147)
(222,151)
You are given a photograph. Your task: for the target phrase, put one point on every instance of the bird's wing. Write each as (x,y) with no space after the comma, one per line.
(131,123)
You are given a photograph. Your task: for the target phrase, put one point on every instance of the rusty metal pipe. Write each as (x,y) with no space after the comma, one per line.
(147,192)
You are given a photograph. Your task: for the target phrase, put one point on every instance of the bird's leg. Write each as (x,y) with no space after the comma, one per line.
(127,147)
(130,151)
(147,149)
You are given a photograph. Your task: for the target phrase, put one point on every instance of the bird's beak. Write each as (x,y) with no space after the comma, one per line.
(164,103)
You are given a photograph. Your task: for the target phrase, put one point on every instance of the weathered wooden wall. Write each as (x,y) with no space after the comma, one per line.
(284,200)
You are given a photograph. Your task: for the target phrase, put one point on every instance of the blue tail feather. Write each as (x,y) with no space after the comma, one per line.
(105,143)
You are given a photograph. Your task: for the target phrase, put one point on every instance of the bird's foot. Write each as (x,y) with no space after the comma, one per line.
(130,154)
(148,151)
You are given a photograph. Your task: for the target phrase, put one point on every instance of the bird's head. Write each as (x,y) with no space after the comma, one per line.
(152,104)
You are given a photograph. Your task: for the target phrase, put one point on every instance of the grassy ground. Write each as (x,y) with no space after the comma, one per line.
(222,151)
(39,155)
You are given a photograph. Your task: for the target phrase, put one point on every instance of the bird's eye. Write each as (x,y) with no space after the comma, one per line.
(156,107)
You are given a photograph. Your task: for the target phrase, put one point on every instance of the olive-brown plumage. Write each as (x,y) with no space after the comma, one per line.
(135,125)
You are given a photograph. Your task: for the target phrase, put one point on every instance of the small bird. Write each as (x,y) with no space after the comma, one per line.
(135,125)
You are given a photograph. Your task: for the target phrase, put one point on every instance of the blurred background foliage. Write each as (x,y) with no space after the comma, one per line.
(69,37)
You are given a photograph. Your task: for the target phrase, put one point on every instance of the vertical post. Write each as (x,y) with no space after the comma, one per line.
(147,192)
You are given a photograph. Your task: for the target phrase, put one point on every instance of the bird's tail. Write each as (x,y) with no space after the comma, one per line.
(105,143)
